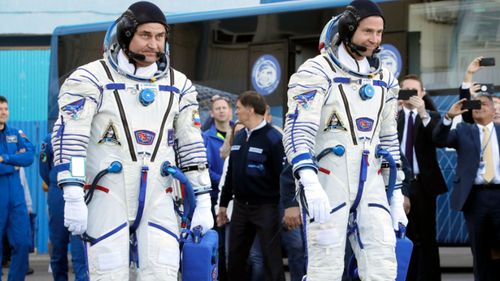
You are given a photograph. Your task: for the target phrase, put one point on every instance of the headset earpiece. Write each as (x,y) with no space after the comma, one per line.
(126,27)
(348,23)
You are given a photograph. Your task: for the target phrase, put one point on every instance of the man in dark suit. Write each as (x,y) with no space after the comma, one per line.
(415,126)
(476,190)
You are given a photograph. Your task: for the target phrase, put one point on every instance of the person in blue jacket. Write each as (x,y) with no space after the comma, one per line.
(213,138)
(58,233)
(15,151)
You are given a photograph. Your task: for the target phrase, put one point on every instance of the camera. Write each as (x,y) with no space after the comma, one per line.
(406,94)
(471,104)
(487,62)
(486,88)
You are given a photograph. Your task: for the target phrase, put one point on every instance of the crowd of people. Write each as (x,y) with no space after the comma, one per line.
(354,164)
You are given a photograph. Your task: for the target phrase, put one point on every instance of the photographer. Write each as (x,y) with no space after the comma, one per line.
(470,89)
(476,190)
(416,122)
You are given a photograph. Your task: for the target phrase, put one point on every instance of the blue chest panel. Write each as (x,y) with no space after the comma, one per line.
(8,141)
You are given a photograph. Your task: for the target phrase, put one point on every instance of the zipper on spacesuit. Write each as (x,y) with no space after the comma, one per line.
(353,219)
(133,250)
(348,112)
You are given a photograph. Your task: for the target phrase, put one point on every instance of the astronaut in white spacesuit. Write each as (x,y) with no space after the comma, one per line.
(342,110)
(133,110)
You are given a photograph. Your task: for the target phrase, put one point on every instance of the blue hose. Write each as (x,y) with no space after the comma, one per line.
(393,172)
(189,197)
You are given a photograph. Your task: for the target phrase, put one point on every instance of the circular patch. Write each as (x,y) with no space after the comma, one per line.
(391,59)
(266,74)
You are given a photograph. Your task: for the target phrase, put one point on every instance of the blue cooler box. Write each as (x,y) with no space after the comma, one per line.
(404,247)
(200,257)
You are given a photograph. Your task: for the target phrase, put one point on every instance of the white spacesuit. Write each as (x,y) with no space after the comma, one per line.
(110,112)
(340,112)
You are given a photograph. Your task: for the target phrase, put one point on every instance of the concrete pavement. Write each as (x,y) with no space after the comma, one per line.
(456,263)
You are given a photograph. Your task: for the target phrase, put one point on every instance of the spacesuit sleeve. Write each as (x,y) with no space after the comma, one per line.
(78,102)
(191,151)
(388,126)
(306,93)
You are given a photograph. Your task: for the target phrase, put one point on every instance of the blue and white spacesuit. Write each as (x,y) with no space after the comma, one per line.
(341,112)
(59,235)
(16,151)
(111,110)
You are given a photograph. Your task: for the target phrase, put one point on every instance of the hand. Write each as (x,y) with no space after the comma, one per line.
(318,205)
(75,210)
(474,89)
(398,215)
(222,218)
(1,159)
(45,187)
(472,68)
(292,218)
(202,214)
(456,109)
(418,103)
(407,205)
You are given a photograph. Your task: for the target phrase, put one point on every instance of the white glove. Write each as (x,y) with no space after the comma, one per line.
(397,210)
(75,210)
(317,201)
(202,214)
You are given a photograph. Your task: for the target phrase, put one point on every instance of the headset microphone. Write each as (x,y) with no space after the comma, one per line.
(139,57)
(356,48)
(359,49)
(135,56)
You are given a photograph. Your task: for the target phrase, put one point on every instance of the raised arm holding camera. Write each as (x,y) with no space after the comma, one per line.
(470,89)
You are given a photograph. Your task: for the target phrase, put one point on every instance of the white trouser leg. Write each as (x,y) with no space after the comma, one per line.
(326,248)
(108,259)
(377,260)
(326,242)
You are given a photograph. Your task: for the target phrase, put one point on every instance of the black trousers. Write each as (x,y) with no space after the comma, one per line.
(222,271)
(246,222)
(482,216)
(424,263)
